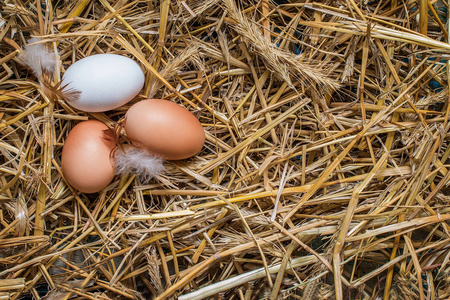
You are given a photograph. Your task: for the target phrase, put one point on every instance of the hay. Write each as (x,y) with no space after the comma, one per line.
(324,174)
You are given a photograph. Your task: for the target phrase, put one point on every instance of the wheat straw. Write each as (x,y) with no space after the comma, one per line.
(325,172)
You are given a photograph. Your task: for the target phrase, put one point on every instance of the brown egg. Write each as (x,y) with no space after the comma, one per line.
(164,128)
(86,158)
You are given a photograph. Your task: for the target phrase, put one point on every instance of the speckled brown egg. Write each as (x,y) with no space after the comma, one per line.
(86,158)
(164,128)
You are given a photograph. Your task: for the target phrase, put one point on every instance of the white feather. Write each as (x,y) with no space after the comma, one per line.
(139,162)
(36,57)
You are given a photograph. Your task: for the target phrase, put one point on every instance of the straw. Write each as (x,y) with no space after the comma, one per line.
(324,175)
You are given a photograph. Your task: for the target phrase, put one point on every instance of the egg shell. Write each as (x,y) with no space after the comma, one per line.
(105,82)
(86,159)
(164,128)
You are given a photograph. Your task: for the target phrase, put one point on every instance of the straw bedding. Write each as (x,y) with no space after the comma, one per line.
(324,174)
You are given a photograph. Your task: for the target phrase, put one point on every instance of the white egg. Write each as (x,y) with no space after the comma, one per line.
(104,82)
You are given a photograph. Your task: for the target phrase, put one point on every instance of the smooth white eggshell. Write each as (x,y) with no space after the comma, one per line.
(105,82)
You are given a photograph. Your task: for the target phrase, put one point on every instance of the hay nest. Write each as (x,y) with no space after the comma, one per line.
(324,174)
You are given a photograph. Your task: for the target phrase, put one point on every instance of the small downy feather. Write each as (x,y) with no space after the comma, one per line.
(138,161)
(36,57)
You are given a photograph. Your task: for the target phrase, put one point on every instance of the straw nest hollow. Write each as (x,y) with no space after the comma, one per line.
(324,173)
